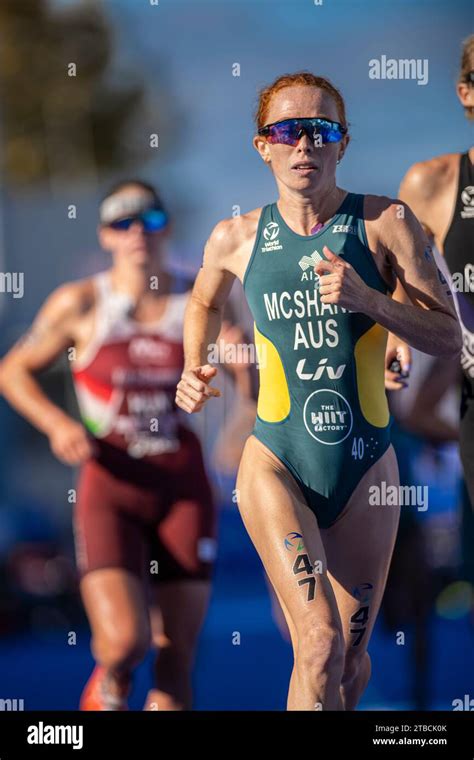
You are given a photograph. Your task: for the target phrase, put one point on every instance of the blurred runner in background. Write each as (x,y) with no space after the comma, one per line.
(441,193)
(145,522)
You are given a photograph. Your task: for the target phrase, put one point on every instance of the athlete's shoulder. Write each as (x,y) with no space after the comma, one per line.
(69,300)
(380,209)
(388,218)
(425,180)
(230,234)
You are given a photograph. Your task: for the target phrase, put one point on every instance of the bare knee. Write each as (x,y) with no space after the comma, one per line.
(320,651)
(121,649)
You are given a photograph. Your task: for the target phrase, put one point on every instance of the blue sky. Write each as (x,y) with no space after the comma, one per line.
(184,51)
(194,44)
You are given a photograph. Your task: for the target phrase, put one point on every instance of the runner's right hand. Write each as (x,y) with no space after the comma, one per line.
(193,390)
(70,442)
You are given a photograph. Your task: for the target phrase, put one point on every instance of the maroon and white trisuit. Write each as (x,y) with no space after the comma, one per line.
(144,497)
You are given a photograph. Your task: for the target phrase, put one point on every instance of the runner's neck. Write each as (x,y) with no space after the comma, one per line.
(139,283)
(304,214)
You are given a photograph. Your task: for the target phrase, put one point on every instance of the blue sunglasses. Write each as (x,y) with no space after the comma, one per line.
(290,131)
(153,220)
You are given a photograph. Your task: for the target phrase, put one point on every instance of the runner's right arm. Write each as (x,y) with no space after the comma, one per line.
(203,320)
(51,333)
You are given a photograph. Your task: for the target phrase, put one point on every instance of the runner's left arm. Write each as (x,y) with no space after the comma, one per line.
(430,322)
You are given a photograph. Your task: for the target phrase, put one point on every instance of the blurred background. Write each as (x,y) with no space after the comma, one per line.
(166,92)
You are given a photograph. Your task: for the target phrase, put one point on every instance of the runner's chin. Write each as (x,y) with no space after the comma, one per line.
(139,254)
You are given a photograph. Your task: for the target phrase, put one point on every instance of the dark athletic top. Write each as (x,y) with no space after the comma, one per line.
(459,255)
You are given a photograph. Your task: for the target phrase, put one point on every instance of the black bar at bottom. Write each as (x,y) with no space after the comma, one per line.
(147,734)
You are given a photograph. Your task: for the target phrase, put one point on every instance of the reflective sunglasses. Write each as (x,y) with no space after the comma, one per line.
(290,131)
(153,220)
(469,78)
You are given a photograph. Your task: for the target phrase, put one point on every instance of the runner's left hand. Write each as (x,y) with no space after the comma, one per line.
(397,350)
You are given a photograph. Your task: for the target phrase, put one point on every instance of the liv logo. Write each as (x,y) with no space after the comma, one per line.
(463,704)
(334,373)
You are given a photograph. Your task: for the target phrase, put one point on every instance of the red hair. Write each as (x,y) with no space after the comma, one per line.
(305,78)
(467,65)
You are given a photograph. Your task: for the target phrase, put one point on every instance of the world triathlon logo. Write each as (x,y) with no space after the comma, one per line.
(294,540)
(363,592)
(327,417)
(467,197)
(270,233)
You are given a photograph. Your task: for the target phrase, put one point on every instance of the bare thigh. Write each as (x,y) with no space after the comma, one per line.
(272,508)
(359,548)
